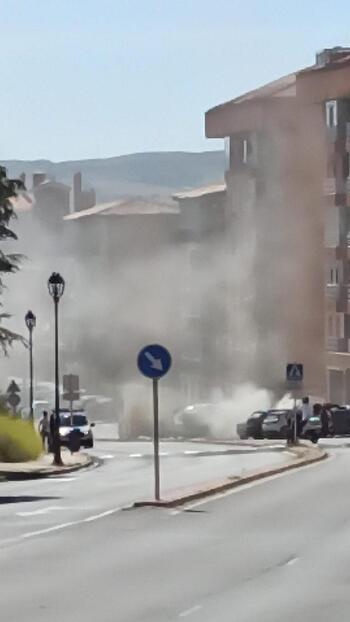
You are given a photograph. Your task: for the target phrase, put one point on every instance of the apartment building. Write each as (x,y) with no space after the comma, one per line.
(288,193)
(202,310)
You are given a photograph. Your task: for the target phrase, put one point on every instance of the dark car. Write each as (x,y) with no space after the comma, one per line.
(276,424)
(254,424)
(340,416)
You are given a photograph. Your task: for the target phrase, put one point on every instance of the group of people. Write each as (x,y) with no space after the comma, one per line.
(306,411)
(47,430)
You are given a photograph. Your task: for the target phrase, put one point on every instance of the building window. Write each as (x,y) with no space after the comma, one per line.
(246,150)
(334,275)
(339,330)
(331,114)
(330,326)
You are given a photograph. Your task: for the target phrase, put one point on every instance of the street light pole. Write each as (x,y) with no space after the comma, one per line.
(56,285)
(30,321)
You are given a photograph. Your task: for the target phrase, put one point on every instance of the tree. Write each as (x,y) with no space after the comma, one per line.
(9,263)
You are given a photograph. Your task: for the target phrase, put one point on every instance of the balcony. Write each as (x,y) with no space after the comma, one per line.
(347,136)
(337,344)
(339,295)
(333,186)
(333,291)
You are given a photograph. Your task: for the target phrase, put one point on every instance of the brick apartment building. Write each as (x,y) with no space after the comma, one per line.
(288,195)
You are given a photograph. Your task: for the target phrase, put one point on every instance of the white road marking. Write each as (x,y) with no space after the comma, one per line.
(191,451)
(60,527)
(135,455)
(52,508)
(292,561)
(189,612)
(241,488)
(60,479)
(107,457)
(90,519)
(164,453)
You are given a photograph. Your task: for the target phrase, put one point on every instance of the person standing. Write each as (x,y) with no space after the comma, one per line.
(306,410)
(44,430)
(324,422)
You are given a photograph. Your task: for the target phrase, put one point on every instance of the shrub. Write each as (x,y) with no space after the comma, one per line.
(19,441)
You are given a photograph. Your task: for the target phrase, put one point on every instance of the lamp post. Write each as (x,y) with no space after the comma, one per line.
(30,321)
(56,286)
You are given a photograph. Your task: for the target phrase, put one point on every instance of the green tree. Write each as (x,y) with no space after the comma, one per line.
(8,262)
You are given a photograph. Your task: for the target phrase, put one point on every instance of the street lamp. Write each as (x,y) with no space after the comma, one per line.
(30,321)
(56,286)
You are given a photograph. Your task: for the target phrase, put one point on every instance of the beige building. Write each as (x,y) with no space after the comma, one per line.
(288,195)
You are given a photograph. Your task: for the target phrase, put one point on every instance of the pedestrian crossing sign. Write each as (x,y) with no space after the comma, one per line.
(295,372)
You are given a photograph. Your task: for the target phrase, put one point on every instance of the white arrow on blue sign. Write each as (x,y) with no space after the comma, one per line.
(154,361)
(295,372)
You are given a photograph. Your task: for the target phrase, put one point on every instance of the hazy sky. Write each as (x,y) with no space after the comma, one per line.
(95,78)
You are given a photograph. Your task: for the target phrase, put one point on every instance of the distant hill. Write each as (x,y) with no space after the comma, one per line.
(153,173)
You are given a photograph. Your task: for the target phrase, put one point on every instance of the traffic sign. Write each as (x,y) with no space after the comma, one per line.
(295,372)
(13,387)
(154,361)
(71,391)
(13,399)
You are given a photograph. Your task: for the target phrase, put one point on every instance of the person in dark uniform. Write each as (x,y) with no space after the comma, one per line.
(324,422)
(52,431)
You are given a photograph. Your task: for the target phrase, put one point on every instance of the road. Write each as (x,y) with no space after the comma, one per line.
(126,476)
(276,550)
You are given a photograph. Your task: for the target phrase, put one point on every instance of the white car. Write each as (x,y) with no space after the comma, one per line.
(80,424)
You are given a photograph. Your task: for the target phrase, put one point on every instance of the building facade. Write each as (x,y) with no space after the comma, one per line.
(202,313)
(288,191)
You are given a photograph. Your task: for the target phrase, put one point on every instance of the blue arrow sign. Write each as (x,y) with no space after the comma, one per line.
(295,372)
(154,361)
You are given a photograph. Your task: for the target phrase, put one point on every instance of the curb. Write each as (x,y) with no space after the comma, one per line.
(230,484)
(48,471)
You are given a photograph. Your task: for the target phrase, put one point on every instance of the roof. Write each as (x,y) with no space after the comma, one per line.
(334,63)
(196,193)
(51,183)
(286,85)
(283,87)
(136,206)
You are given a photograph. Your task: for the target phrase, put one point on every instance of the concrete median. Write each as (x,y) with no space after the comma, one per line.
(300,455)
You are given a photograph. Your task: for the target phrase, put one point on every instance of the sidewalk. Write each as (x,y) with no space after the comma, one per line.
(43,467)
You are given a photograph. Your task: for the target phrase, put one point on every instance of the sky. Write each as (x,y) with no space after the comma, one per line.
(100,78)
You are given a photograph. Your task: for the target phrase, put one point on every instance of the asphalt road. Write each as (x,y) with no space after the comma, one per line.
(125,476)
(274,551)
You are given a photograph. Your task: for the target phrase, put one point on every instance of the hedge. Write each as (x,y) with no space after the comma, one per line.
(19,442)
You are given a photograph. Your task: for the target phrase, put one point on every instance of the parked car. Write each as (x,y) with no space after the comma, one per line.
(254,424)
(194,420)
(276,423)
(340,416)
(80,425)
(312,429)
(241,429)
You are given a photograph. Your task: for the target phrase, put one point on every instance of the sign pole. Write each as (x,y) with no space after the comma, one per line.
(156,439)
(295,421)
(154,361)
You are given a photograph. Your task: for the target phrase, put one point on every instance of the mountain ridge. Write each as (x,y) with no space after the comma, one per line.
(142,173)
